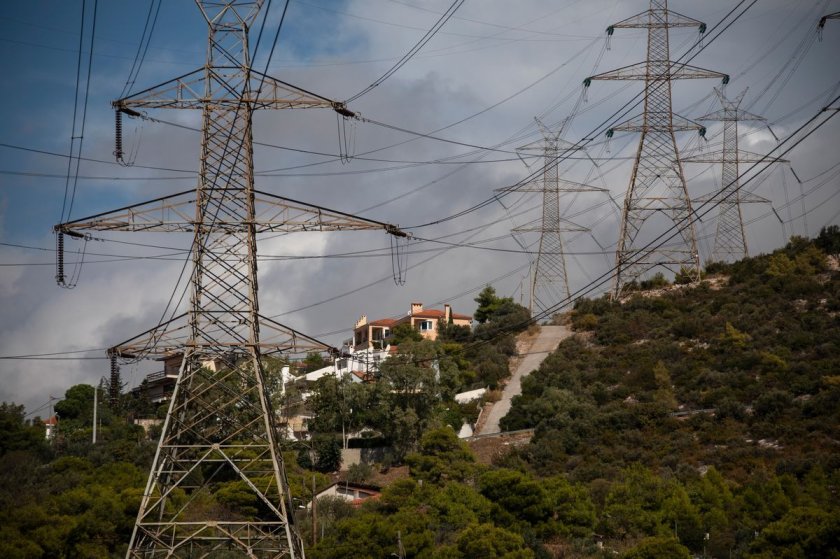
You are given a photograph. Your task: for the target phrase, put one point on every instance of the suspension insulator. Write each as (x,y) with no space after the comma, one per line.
(114,392)
(59,258)
(118,136)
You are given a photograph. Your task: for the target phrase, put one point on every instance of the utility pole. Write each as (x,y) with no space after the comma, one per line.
(549,283)
(95,405)
(314,511)
(730,238)
(400,548)
(220,424)
(657,184)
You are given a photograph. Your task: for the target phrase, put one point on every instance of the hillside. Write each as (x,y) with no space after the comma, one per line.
(689,420)
(739,373)
(683,421)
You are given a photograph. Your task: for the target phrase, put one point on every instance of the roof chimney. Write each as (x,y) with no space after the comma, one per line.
(416,308)
(361,322)
(447,313)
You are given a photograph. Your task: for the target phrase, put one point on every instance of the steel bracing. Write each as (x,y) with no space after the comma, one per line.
(730,240)
(657,183)
(549,280)
(220,426)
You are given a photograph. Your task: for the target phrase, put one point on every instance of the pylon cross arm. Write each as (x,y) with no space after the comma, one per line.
(176,213)
(671,70)
(741,156)
(201,88)
(175,336)
(639,124)
(656,18)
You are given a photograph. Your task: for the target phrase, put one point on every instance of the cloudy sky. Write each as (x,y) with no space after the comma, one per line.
(476,86)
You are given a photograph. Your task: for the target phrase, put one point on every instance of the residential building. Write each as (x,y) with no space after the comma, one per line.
(376,334)
(50,427)
(354,493)
(157,387)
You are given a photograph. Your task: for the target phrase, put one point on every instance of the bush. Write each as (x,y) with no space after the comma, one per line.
(586,321)
(359,473)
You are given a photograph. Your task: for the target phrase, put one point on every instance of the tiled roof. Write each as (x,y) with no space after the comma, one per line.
(363,376)
(383,322)
(436,313)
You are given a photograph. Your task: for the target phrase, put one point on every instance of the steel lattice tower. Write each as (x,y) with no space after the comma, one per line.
(730,239)
(220,425)
(657,183)
(549,281)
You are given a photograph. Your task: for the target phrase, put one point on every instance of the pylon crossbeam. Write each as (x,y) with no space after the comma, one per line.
(662,69)
(188,91)
(640,124)
(657,16)
(171,337)
(175,213)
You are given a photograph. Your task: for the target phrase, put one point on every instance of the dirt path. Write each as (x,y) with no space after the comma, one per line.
(546,342)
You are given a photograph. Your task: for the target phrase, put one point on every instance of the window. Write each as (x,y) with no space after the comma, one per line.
(427,325)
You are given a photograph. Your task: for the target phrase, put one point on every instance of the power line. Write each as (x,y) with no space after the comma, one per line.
(707,207)
(140,56)
(588,138)
(412,51)
(606,277)
(73,136)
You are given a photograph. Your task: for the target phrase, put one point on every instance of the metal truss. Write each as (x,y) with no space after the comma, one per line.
(220,426)
(549,280)
(175,213)
(730,239)
(657,184)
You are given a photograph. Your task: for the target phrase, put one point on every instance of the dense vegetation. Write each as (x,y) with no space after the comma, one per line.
(689,421)
(414,389)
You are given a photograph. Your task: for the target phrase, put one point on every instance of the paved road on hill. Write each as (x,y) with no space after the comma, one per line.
(547,341)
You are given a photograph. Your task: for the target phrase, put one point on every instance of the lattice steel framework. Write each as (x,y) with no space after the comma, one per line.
(549,281)
(657,183)
(220,426)
(730,239)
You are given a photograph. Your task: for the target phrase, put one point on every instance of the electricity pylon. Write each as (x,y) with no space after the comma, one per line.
(220,426)
(730,239)
(657,184)
(549,281)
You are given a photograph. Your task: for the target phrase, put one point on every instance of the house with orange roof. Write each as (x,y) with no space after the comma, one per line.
(376,334)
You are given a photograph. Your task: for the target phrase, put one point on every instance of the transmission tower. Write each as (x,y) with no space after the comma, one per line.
(220,425)
(730,239)
(549,281)
(657,183)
